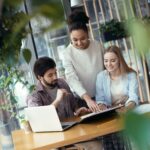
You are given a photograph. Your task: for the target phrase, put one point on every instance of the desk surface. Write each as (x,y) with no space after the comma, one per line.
(78,133)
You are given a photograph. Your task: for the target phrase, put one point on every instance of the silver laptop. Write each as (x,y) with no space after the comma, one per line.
(45,118)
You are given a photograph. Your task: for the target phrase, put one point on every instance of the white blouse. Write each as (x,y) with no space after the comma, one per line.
(117,89)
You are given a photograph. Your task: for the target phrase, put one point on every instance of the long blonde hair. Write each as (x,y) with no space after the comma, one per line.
(124,68)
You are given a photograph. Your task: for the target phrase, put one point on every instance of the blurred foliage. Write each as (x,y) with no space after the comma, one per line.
(137,126)
(140,31)
(27,55)
(50,9)
(13,25)
(9,77)
(13,29)
(10,40)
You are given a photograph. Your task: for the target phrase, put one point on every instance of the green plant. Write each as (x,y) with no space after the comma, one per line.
(13,29)
(10,51)
(9,78)
(113,30)
(137,128)
(139,29)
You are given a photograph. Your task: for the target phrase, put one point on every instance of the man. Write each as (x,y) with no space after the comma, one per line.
(51,90)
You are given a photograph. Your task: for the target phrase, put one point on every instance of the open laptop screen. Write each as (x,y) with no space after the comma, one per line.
(45,118)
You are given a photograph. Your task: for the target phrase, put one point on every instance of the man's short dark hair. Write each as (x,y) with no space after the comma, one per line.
(42,65)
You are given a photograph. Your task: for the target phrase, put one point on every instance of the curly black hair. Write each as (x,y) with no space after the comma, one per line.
(78,20)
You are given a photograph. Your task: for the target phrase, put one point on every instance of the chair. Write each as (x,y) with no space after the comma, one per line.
(72,147)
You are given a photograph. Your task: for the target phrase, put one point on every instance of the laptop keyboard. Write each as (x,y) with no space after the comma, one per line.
(66,124)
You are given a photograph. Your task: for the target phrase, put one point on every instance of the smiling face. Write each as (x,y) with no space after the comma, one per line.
(79,39)
(111,62)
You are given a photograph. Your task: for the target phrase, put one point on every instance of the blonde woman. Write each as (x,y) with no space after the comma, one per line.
(116,85)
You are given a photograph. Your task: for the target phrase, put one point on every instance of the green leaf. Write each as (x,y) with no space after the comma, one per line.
(137,126)
(140,32)
(27,55)
(7,81)
(49,9)
(31,88)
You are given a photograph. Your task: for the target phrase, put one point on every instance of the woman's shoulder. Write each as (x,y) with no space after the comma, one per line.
(95,43)
(71,50)
(132,74)
(103,73)
(69,45)
(68,51)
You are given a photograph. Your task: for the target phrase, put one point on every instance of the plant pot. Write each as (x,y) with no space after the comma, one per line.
(109,36)
(26,126)
(6,142)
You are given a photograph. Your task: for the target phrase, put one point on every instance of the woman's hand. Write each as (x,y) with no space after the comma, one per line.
(121,110)
(121,100)
(102,107)
(93,106)
(129,106)
(82,111)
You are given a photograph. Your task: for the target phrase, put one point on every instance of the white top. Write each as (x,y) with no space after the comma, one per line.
(117,89)
(82,66)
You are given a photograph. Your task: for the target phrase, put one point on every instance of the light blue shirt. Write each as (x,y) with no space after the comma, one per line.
(103,92)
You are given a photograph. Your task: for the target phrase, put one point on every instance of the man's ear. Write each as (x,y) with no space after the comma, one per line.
(39,77)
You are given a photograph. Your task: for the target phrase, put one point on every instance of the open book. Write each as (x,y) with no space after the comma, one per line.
(99,115)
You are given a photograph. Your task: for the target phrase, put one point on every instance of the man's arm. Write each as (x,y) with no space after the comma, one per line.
(59,97)
(34,100)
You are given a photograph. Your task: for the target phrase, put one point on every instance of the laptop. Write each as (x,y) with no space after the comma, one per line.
(95,116)
(45,119)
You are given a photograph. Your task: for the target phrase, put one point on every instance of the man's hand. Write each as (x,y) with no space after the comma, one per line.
(60,94)
(59,97)
(82,111)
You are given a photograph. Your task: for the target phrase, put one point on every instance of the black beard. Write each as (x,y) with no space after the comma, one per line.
(51,85)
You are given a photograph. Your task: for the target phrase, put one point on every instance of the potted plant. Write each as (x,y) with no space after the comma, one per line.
(113,30)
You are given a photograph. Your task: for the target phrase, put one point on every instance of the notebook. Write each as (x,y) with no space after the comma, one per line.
(100,115)
(45,119)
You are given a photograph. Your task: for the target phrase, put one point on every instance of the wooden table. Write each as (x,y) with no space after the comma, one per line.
(78,133)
